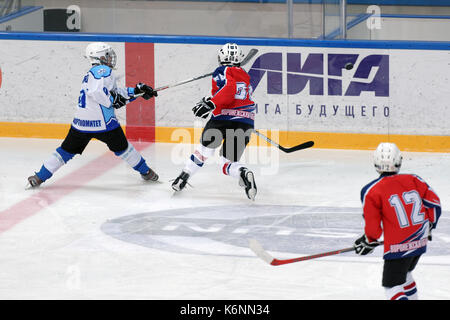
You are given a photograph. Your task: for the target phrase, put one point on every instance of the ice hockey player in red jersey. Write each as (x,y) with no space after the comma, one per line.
(404,209)
(232,121)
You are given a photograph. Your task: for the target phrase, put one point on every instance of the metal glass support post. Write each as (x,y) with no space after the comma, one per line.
(290,12)
(323,19)
(343,18)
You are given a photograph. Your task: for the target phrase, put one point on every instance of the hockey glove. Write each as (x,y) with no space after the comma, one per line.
(118,101)
(146,90)
(203,108)
(363,246)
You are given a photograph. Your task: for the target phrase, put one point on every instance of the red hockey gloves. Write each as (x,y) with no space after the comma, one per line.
(146,90)
(118,101)
(203,108)
(363,246)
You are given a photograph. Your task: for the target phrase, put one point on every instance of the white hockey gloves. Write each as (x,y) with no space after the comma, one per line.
(203,108)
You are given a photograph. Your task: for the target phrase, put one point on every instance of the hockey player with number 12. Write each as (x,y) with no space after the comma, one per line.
(95,117)
(403,208)
(232,121)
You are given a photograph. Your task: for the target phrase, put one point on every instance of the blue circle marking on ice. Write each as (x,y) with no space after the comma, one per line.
(225,230)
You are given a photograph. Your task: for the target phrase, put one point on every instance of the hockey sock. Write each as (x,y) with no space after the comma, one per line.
(56,161)
(410,287)
(141,167)
(396,293)
(197,159)
(44,173)
(134,159)
(230,168)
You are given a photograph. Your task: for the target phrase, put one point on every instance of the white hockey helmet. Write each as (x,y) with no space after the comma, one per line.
(387,158)
(230,53)
(101,53)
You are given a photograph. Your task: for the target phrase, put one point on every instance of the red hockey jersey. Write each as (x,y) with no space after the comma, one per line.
(400,206)
(231,93)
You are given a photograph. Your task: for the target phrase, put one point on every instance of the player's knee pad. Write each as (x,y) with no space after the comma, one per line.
(65,156)
(53,163)
(134,159)
(395,293)
(57,159)
(130,155)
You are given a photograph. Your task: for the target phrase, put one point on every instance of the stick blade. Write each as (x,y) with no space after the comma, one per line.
(249,56)
(302,146)
(257,248)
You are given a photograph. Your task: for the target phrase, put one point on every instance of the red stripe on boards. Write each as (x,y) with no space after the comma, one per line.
(140,67)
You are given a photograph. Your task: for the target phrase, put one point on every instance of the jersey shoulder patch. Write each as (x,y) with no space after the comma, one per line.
(219,76)
(219,70)
(100,71)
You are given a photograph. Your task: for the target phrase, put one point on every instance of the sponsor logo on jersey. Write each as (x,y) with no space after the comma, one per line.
(87,123)
(402,247)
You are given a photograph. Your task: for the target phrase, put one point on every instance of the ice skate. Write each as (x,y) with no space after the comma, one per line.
(150,175)
(180,182)
(34,182)
(247,180)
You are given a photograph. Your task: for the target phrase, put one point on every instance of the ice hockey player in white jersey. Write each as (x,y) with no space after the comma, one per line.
(95,117)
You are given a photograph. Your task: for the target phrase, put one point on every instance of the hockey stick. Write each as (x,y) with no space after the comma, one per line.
(247,58)
(301,146)
(256,247)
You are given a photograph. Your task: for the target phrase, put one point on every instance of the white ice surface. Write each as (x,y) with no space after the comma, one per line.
(61,252)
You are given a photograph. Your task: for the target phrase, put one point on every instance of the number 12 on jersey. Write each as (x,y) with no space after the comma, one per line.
(410,197)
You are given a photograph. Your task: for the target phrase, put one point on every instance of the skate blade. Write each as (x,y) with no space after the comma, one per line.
(176,193)
(177,188)
(252,191)
(29,186)
(154,181)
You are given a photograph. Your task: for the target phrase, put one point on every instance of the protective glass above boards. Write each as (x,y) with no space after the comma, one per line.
(298,19)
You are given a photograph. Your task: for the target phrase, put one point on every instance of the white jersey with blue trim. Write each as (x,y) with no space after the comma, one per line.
(95,112)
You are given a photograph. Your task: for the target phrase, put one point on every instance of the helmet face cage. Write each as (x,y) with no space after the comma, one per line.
(109,58)
(230,53)
(101,53)
(387,158)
